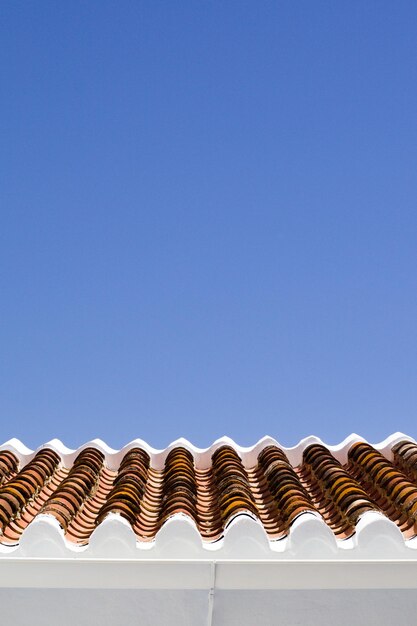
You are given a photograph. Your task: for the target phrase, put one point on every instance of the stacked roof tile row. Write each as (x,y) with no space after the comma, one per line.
(272,490)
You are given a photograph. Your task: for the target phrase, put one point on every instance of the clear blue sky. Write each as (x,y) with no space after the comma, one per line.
(208,220)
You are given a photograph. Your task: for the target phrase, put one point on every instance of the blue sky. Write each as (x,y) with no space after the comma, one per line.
(208,220)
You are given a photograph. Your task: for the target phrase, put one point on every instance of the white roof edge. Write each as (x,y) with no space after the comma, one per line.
(213,574)
(202,456)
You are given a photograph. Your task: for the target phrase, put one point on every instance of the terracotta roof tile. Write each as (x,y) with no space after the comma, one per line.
(336,494)
(272,488)
(387,485)
(23,493)
(286,488)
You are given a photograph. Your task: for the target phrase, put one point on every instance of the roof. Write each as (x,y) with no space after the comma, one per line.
(353,500)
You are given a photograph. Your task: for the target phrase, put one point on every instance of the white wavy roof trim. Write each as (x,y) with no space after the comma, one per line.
(245,539)
(202,456)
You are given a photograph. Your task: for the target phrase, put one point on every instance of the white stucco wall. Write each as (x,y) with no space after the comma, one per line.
(110,607)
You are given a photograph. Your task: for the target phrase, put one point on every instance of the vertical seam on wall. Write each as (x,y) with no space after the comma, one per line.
(211,594)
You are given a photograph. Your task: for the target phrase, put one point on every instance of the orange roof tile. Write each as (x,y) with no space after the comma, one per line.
(272,489)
